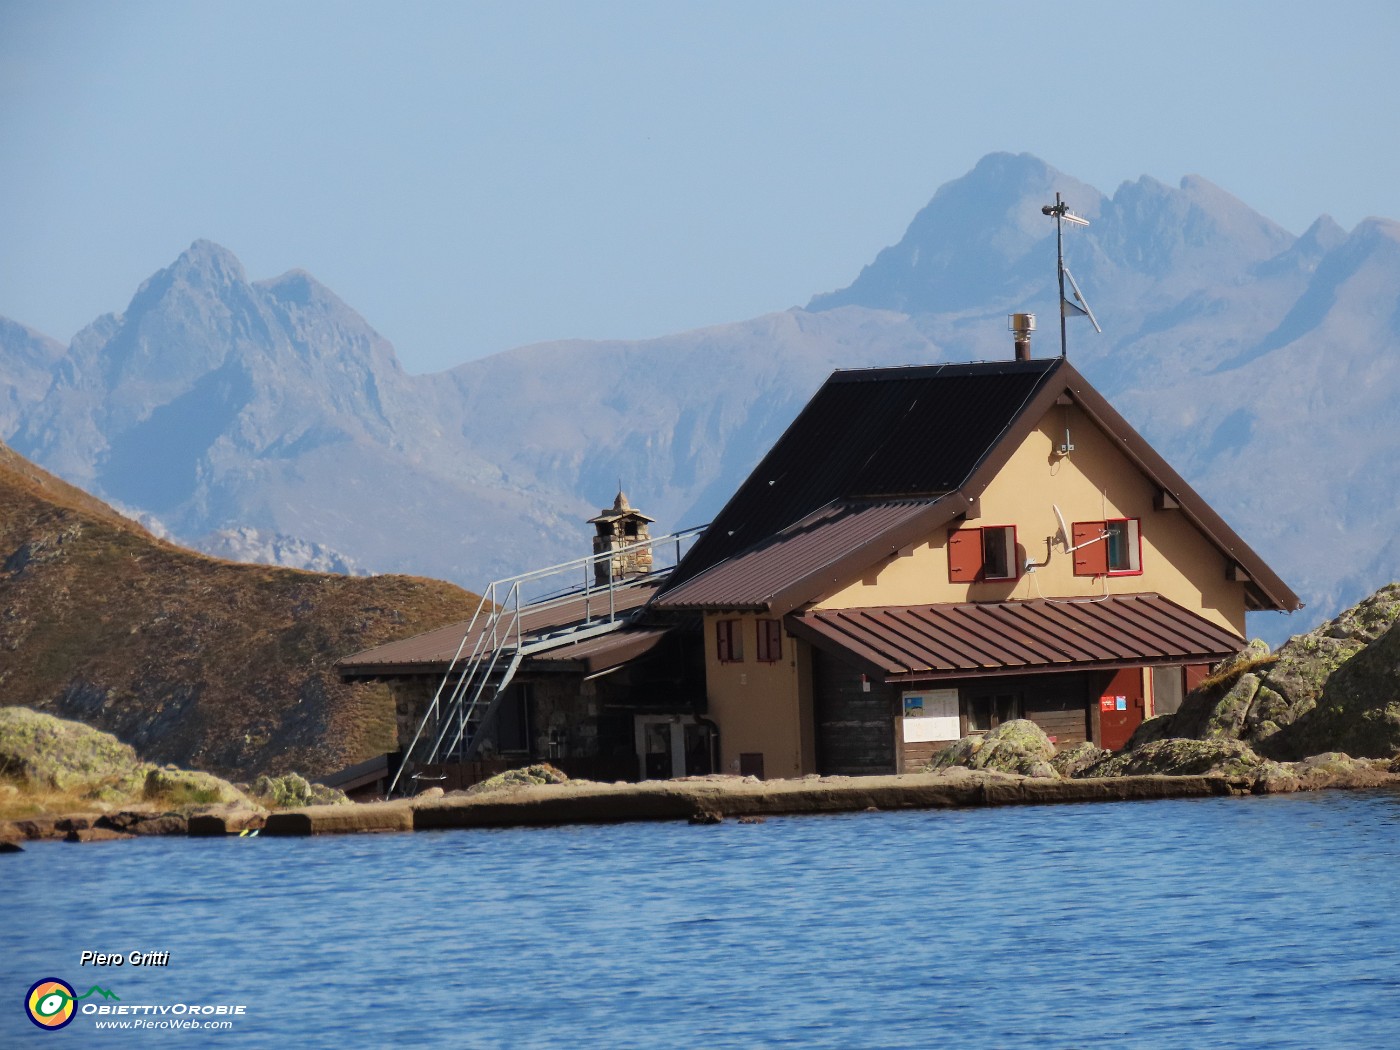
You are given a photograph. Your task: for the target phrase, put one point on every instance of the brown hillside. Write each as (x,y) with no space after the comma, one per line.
(204,663)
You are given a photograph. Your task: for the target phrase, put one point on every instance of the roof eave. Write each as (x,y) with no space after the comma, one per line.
(837,574)
(1264,585)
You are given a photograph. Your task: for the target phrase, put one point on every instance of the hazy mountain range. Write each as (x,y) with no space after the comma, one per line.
(267,420)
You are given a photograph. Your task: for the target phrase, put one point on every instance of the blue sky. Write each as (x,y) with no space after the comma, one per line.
(472,177)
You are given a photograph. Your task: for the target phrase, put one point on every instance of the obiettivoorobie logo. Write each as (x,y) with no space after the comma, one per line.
(52,1003)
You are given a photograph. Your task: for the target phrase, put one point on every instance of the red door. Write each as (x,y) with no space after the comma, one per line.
(1120,708)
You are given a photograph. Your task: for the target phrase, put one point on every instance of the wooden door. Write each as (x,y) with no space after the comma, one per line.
(1120,708)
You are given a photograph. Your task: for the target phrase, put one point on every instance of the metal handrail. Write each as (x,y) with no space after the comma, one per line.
(478,668)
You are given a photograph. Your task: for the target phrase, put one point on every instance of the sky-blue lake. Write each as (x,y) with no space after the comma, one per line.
(1252,922)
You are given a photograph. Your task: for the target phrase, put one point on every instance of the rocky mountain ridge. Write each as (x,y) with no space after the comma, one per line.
(1262,365)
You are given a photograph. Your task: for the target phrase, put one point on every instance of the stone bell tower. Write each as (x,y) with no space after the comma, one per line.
(620,527)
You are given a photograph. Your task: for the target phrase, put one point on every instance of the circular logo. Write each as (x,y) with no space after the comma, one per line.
(50,1003)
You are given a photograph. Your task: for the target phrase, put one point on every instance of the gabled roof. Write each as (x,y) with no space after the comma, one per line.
(869,434)
(932,642)
(928,439)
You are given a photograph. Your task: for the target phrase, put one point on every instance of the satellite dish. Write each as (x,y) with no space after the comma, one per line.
(1064,529)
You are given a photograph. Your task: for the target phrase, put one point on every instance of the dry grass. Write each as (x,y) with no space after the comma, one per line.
(18,803)
(1228,677)
(198,662)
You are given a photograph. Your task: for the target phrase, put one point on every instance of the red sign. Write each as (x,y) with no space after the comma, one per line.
(1105,703)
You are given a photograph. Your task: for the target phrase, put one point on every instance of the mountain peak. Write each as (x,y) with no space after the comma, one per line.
(212,261)
(969,245)
(299,287)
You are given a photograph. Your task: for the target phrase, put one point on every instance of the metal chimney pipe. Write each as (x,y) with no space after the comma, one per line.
(1021,327)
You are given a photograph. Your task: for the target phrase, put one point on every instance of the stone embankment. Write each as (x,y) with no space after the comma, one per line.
(700,800)
(710,799)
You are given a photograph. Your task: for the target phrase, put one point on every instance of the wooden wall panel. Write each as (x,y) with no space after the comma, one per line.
(855,728)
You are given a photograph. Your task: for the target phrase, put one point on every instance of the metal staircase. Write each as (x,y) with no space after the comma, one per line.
(498,638)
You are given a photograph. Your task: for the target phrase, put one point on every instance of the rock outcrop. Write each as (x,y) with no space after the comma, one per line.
(295,790)
(1359,709)
(1179,758)
(191,787)
(1336,688)
(1019,746)
(47,761)
(513,779)
(1072,762)
(41,751)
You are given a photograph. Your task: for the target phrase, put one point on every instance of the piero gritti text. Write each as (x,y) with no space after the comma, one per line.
(135,958)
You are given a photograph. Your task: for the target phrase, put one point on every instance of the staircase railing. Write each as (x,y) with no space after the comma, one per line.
(474,684)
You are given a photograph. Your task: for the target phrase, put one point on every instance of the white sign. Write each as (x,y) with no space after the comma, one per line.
(931,714)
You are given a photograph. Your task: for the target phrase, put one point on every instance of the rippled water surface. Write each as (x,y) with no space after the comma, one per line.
(1256,922)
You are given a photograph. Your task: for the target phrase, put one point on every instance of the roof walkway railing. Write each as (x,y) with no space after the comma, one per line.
(496,640)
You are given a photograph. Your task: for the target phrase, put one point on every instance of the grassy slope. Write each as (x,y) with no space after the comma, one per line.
(208,664)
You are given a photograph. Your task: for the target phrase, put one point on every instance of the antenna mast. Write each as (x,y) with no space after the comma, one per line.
(1060,210)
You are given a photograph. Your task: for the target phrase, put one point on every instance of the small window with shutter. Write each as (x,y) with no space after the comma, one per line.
(1107,548)
(729,641)
(770,641)
(985,553)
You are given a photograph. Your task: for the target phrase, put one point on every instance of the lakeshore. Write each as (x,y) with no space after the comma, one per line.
(700,800)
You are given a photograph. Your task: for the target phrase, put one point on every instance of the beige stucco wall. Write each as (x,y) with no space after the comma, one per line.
(1094,482)
(759,707)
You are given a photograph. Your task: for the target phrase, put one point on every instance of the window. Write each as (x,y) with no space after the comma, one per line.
(986,553)
(770,641)
(1168,689)
(986,711)
(1107,548)
(729,641)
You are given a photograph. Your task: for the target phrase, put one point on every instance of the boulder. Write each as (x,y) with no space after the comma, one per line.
(1307,662)
(1157,728)
(189,787)
(55,753)
(1334,769)
(1272,701)
(10,847)
(1019,746)
(1073,761)
(292,790)
(514,779)
(1179,757)
(1359,710)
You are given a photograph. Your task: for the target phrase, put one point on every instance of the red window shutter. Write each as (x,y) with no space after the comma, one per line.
(1091,559)
(964,555)
(770,641)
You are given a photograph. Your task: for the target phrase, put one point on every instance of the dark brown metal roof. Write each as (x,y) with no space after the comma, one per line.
(909,434)
(871,434)
(430,653)
(927,642)
(803,560)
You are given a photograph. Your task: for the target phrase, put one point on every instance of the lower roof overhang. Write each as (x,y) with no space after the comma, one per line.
(589,656)
(926,643)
